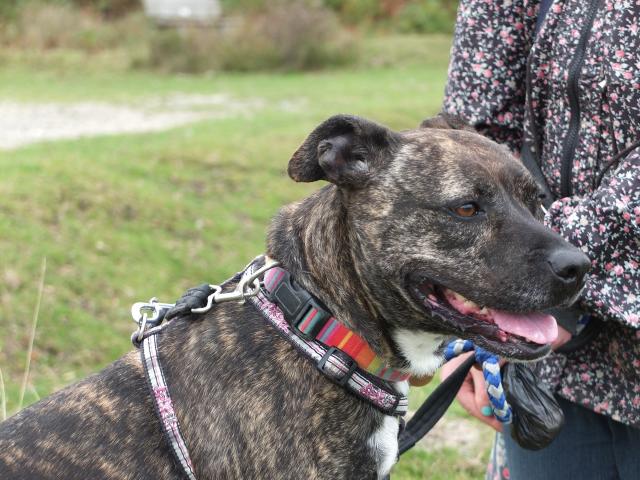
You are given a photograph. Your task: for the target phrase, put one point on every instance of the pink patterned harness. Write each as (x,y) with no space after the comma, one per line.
(331,361)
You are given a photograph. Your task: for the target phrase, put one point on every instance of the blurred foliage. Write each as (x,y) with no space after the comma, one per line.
(253,35)
(415,16)
(110,8)
(409,16)
(291,37)
(357,11)
(56,25)
(10,9)
(279,36)
(426,16)
(420,16)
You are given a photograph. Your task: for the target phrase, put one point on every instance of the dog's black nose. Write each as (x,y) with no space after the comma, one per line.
(570,266)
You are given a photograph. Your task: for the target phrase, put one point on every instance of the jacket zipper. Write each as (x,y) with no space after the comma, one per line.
(571,139)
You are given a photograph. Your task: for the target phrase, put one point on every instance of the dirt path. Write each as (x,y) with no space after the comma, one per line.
(25,123)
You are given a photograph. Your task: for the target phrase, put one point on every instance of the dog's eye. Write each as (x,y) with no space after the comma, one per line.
(467,210)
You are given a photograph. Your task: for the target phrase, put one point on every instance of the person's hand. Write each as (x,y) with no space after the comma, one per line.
(472,395)
(563,337)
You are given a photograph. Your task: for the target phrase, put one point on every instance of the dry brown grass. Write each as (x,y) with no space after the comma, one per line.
(32,333)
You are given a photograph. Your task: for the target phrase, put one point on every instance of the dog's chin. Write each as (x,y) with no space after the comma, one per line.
(515,336)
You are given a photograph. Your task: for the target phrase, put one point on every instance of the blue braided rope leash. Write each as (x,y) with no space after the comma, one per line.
(438,402)
(491,371)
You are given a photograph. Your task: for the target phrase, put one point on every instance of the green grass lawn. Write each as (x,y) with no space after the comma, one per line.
(122,218)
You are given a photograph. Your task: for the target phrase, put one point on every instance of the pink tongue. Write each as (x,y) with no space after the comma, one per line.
(537,327)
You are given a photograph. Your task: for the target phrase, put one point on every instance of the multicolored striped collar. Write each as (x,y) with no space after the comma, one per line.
(312,321)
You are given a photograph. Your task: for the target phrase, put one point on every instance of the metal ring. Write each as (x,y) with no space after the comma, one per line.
(143,324)
(251,293)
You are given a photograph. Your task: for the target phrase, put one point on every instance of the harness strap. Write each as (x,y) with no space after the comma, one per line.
(163,404)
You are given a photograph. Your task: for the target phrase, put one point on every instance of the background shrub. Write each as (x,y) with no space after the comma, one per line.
(46,26)
(243,5)
(292,36)
(417,16)
(426,16)
(111,8)
(187,50)
(252,34)
(357,11)
(9,10)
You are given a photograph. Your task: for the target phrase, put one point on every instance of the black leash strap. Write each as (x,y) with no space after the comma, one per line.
(195,297)
(434,407)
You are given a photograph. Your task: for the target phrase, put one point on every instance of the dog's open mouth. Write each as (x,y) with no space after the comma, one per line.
(524,336)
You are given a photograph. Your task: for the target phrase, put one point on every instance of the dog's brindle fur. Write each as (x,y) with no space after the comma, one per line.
(250,406)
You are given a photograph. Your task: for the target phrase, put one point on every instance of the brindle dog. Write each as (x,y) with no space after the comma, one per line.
(405,216)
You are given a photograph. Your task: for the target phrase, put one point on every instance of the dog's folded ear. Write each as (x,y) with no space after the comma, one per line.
(446,121)
(344,150)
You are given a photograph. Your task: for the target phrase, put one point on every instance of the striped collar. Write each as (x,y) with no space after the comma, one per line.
(312,321)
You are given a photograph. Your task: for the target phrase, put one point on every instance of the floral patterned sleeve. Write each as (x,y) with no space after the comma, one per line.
(487,71)
(606,226)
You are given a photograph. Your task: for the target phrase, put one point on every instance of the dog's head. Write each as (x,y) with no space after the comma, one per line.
(446,236)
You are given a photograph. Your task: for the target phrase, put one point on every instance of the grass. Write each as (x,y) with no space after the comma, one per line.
(123,218)
(443,464)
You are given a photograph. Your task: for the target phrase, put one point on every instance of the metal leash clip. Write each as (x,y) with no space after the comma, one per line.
(148,315)
(246,288)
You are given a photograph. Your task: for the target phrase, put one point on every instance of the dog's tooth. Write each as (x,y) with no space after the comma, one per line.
(468,303)
(462,298)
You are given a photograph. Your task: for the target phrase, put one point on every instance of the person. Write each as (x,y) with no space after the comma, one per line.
(558,82)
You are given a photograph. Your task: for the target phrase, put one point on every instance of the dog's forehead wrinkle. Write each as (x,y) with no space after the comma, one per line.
(422,168)
(517,181)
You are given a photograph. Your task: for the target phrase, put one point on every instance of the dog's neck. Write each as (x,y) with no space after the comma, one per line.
(313,241)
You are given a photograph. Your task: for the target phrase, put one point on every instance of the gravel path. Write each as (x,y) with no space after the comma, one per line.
(25,123)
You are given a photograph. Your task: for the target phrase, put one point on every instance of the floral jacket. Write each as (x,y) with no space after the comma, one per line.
(571,90)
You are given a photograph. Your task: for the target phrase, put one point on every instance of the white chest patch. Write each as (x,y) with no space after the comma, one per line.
(384,445)
(419,349)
